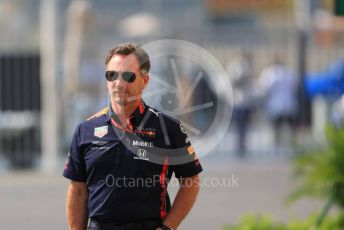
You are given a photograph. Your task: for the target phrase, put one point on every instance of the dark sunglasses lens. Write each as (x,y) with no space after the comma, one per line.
(128,76)
(111,75)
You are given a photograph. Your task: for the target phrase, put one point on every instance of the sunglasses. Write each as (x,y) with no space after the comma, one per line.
(127,76)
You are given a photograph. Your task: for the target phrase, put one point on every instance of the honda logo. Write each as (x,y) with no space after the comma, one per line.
(141,153)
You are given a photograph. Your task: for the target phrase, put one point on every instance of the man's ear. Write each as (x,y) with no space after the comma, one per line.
(145,80)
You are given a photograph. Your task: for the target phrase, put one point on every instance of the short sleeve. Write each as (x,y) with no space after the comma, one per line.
(190,165)
(74,168)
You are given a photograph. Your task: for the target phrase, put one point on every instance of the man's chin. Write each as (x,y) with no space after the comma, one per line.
(124,101)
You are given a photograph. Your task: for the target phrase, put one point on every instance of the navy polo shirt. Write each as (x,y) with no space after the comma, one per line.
(127,169)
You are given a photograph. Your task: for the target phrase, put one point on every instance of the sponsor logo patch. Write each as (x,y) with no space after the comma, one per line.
(182,128)
(153,111)
(187,140)
(143,143)
(146,132)
(191,150)
(100,143)
(141,154)
(100,131)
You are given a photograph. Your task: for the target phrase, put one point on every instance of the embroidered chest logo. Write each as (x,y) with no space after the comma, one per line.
(100,131)
(149,132)
(143,143)
(141,154)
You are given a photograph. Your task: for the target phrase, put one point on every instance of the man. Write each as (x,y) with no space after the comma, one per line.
(121,158)
(279,85)
(240,70)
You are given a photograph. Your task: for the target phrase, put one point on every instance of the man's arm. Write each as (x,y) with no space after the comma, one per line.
(183,202)
(77,205)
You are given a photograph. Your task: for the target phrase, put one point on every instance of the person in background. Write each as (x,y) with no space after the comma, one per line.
(279,86)
(241,75)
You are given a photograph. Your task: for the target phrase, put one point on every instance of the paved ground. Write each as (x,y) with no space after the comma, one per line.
(31,201)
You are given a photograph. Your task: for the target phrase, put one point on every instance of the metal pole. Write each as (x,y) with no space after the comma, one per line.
(303,17)
(304,101)
(49,121)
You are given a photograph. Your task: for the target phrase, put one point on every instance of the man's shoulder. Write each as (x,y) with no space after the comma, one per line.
(96,119)
(165,116)
(99,114)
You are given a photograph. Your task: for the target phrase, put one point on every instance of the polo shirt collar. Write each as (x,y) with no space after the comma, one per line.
(135,118)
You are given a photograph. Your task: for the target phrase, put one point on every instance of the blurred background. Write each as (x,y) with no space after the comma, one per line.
(284,59)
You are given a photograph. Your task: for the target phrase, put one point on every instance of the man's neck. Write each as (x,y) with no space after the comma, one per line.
(123,112)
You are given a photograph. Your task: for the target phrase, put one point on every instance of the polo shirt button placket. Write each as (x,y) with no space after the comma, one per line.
(121,134)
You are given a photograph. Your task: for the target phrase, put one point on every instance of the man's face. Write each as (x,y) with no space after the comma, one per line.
(122,92)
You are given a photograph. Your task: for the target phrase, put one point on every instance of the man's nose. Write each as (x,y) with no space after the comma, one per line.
(119,82)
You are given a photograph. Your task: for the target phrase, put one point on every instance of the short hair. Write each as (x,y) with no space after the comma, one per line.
(130,48)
